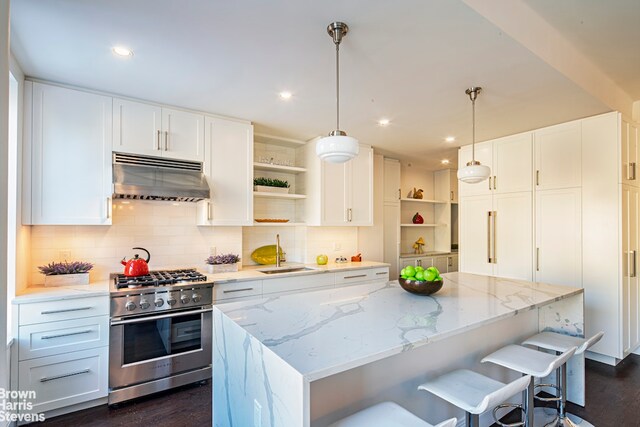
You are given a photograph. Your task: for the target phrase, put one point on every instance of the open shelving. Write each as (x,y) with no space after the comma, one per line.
(421,225)
(424,201)
(279,195)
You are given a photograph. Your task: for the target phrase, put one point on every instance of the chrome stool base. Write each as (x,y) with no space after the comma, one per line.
(548,417)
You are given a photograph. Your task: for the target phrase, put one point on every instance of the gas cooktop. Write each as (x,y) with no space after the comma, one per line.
(159,278)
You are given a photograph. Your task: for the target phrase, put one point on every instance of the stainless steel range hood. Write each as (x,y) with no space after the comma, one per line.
(155,178)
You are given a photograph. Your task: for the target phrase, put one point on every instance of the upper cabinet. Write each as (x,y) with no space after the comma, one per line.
(146,129)
(558,161)
(510,161)
(229,169)
(67,157)
(391,186)
(339,194)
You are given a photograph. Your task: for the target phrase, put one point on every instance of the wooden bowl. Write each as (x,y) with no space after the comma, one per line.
(420,287)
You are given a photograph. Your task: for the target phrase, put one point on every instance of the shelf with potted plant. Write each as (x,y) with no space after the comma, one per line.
(274,187)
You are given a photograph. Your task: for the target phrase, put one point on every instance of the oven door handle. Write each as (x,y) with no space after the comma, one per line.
(161,316)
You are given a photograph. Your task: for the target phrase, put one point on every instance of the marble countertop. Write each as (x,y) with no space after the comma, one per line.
(330,331)
(252,273)
(50,293)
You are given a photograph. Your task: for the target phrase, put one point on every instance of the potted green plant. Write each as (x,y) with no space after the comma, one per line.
(270,185)
(66,273)
(222,263)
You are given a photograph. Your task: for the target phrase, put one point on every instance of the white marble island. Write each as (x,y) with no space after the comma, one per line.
(309,359)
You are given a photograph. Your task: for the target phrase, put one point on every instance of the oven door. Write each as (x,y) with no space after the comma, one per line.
(152,347)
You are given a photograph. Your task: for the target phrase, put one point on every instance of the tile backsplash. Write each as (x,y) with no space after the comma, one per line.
(167,230)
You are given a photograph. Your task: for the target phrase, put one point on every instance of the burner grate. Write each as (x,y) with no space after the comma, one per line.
(158,278)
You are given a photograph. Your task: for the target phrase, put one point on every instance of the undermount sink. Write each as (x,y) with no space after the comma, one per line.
(281,270)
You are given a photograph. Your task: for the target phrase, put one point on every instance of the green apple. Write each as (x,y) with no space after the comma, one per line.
(322,259)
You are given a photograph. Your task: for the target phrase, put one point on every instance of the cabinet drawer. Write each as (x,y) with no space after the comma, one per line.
(298,283)
(52,311)
(229,290)
(65,379)
(365,275)
(48,339)
(381,273)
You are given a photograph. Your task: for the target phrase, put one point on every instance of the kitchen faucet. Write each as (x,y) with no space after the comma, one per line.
(277,250)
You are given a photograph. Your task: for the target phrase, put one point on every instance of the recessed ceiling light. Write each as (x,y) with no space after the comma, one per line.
(384,122)
(122,51)
(450,138)
(444,161)
(285,95)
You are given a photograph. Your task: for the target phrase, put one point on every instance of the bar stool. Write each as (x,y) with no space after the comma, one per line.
(475,394)
(387,414)
(559,343)
(536,364)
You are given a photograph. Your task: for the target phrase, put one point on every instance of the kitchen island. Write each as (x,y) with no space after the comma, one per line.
(309,359)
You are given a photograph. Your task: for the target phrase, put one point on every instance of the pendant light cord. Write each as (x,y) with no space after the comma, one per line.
(338,86)
(473,129)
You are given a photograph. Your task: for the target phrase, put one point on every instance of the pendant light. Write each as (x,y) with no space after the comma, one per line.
(337,147)
(474,172)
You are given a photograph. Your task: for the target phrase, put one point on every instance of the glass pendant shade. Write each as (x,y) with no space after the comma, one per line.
(474,173)
(337,148)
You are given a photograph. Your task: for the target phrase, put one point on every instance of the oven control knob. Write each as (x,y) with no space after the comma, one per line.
(171,301)
(130,306)
(196,297)
(159,302)
(144,304)
(184,299)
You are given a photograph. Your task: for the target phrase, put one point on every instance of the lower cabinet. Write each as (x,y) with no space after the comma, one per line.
(62,352)
(232,290)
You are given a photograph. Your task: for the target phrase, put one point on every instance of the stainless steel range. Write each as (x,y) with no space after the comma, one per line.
(160,335)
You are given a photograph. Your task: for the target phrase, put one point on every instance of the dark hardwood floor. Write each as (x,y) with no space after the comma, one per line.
(613,400)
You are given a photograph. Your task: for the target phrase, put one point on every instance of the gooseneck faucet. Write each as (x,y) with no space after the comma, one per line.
(277,250)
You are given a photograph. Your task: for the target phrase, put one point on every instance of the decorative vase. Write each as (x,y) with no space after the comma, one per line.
(67,279)
(222,268)
(267,189)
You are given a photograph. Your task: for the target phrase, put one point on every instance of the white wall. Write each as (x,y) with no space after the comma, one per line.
(164,229)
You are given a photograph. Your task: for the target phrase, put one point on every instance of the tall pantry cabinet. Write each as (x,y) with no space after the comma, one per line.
(584,220)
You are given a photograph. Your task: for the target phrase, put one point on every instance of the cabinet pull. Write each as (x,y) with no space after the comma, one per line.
(489,183)
(349,215)
(108,207)
(158,140)
(57,377)
(495,182)
(66,310)
(418,263)
(495,218)
(489,236)
(381,273)
(230,291)
(537,259)
(50,337)
(208,210)
(633,170)
(355,277)
(451,196)
(634,263)
(399,194)
(450,261)
(166,140)
(537,177)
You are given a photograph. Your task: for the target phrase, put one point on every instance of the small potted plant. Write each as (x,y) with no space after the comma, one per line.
(270,185)
(66,273)
(222,263)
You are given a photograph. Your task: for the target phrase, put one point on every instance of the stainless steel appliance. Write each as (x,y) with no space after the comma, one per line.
(160,334)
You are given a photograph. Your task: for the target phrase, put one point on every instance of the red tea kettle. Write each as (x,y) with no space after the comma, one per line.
(136,266)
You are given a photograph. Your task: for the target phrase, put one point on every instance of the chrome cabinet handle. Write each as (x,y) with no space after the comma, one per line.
(237,290)
(537,259)
(66,310)
(355,277)
(537,177)
(419,263)
(57,377)
(166,140)
(634,263)
(381,273)
(50,337)
(158,140)
(489,237)
(208,210)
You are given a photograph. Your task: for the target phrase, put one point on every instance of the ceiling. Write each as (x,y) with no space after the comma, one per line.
(409,62)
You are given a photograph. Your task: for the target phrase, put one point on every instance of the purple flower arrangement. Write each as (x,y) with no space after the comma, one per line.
(55,268)
(222,259)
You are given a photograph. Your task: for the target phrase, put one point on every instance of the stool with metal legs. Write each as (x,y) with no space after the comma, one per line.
(537,364)
(475,394)
(387,414)
(559,343)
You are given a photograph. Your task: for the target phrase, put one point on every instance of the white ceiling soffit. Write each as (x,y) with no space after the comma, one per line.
(409,61)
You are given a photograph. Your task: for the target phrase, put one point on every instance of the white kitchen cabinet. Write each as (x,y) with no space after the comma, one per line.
(558,160)
(68,153)
(339,194)
(391,187)
(630,230)
(229,169)
(362,276)
(559,237)
(453,186)
(62,352)
(147,129)
(452,263)
(231,290)
(294,284)
(496,235)
(391,237)
(510,161)
(441,263)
